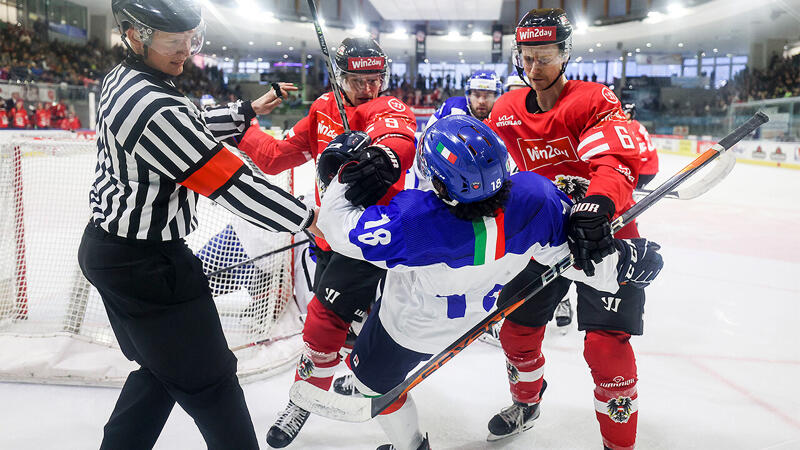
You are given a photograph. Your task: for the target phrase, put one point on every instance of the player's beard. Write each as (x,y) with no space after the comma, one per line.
(481,114)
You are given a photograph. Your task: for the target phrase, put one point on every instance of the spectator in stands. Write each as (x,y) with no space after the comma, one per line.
(19,116)
(72,122)
(4,121)
(57,113)
(42,117)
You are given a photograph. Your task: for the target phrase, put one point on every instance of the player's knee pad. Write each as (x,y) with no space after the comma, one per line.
(323,334)
(524,360)
(613,366)
(610,358)
(324,331)
(521,342)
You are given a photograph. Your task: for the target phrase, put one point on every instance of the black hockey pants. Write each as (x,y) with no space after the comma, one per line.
(162,313)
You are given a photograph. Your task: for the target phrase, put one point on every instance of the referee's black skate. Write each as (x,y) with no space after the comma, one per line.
(345,385)
(424,445)
(515,419)
(289,423)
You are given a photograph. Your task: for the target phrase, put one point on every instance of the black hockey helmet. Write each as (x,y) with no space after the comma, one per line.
(630,108)
(361,56)
(169,16)
(543,26)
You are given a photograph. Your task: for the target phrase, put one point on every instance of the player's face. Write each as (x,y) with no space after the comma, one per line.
(542,64)
(168,52)
(362,88)
(481,103)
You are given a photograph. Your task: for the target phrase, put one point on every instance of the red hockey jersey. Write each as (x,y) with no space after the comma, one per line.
(20,118)
(647,152)
(584,136)
(42,118)
(387,120)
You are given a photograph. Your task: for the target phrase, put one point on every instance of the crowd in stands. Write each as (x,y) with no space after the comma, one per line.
(781,78)
(28,55)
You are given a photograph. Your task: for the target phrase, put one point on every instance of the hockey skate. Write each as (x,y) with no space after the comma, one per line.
(563,315)
(345,385)
(515,419)
(493,335)
(289,423)
(424,445)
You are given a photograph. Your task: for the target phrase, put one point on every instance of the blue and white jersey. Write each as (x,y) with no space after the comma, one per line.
(453,105)
(445,273)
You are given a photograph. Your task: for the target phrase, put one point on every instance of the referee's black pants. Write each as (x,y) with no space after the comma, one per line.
(162,313)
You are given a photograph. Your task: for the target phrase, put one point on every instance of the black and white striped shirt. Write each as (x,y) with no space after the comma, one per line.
(156,151)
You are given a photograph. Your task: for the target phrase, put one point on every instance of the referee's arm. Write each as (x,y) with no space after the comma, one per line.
(177,145)
(231,120)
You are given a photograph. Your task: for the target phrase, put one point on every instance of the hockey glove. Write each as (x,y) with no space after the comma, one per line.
(589,233)
(371,175)
(340,150)
(639,261)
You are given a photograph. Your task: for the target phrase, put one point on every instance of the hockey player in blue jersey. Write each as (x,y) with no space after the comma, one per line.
(449,250)
(483,88)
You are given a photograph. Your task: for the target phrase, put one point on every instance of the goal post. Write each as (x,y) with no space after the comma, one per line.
(53,325)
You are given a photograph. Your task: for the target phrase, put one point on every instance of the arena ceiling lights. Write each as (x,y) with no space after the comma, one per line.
(438,10)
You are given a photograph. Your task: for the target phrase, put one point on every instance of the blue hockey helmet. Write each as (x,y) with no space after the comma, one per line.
(465,155)
(484,80)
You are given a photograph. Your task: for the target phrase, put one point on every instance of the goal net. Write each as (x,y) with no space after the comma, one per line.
(53,325)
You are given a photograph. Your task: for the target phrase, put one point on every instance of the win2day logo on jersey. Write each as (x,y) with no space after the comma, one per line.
(540,153)
(327,127)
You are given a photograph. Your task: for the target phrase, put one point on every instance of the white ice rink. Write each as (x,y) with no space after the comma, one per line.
(719,363)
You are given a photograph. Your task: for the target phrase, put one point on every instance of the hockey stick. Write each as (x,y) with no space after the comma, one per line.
(721,169)
(265,341)
(269,253)
(360,409)
(329,62)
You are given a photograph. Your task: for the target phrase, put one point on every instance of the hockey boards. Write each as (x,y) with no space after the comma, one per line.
(361,409)
(720,170)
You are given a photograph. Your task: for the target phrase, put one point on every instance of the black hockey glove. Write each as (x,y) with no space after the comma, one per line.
(340,150)
(370,176)
(639,261)
(589,233)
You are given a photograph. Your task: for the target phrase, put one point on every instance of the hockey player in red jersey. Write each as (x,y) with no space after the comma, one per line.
(19,116)
(42,117)
(576,134)
(647,152)
(344,287)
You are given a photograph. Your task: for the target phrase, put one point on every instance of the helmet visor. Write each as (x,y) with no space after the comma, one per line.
(528,56)
(366,84)
(420,162)
(188,42)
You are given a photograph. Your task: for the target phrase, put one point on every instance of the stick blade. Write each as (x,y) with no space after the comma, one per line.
(330,404)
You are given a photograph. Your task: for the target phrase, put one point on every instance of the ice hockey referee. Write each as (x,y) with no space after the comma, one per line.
(156,151)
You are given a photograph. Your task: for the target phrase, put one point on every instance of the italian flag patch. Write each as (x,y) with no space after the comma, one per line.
(446,153)
(490,238)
